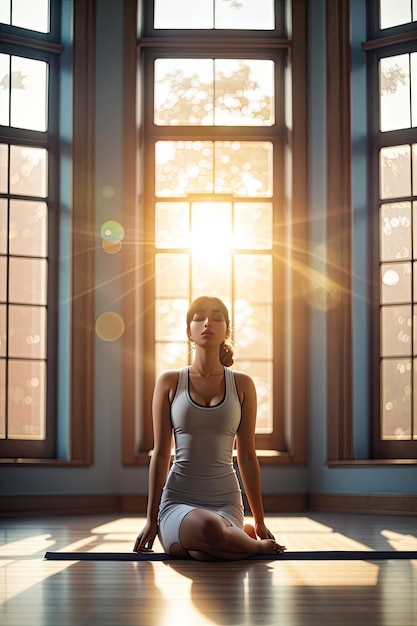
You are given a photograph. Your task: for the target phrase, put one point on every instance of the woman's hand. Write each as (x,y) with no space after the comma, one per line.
(144,541)
(263,533)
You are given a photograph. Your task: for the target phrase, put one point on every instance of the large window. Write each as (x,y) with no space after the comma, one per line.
(393,67)
(215,166)
(46,147)
(28,201)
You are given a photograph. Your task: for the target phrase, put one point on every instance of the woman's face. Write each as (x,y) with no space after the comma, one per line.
(208,325)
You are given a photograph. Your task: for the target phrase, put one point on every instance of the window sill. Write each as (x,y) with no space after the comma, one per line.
(372,463)
(43,463)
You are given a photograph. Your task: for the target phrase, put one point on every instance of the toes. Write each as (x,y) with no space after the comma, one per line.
(278,549)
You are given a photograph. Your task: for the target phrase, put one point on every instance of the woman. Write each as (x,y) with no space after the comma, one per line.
(197,511)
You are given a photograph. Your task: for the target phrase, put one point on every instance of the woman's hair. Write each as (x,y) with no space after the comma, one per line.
(226,349)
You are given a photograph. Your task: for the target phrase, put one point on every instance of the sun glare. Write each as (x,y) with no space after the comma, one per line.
(211,229)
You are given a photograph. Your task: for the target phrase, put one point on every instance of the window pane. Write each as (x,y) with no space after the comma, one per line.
(239,92)
(394,12)
(26,399)
(28,171)
(28,228)
(414,165)
(28,281)
(395,176)
(207,277)
(4,89)
(172,275)
(253,329)
(414,325)
(245,14)
(184,92)
(29,94)
(395,283)
(30,14)
(395,92)
(3,226)
(171,356)
(3,331)
(253,275)
(222,14)
(396,328)
(27,332)
(261,372)
(396,399)
(253,225)
(211,230)
(5,11)
(414,398)
(4,161)
(244,92)
(413,67)
(183,14)
(395,231)
(3,279)
(172,224)
(243,168)
(183,167)
(170,314)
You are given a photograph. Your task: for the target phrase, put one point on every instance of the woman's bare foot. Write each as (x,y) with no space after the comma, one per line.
(270,546)
(267,546)
(249,530)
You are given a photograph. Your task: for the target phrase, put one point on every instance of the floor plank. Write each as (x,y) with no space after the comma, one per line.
(36,592)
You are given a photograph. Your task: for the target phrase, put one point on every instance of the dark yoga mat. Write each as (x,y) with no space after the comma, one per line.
(318,555)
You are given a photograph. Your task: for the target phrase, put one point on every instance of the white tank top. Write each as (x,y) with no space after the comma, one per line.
(203,471)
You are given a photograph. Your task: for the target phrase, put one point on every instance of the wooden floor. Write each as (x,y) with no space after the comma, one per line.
(36,592)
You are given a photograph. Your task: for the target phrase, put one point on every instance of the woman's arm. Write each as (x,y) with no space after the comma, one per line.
(246,452)
(161,455)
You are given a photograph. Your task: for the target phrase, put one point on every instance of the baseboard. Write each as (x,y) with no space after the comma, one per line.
(283,503)
(396,504)
(31,506)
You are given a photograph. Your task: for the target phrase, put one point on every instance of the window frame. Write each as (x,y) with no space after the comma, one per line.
(137,435)
(339,233)
(381,44)
(41,47)
(210,33)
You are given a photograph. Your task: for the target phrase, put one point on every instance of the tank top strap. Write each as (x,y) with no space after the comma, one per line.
(231,387)
(182,384)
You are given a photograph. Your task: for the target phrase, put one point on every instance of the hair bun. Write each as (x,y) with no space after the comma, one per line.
(226,354)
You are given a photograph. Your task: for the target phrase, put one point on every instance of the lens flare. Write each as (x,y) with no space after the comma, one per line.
(109,326)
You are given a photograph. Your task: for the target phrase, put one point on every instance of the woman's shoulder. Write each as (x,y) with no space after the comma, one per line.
(242,378)
(244,385)
(167,384)
(168,377)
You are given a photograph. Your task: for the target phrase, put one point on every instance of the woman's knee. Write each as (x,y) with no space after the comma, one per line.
(214,529)
(205,526)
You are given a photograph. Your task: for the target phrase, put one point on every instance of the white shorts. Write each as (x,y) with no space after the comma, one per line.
(171,517)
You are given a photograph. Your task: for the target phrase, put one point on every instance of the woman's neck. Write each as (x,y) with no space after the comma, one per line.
(207,367)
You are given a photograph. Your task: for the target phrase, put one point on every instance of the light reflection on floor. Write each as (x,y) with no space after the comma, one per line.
(18,572)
